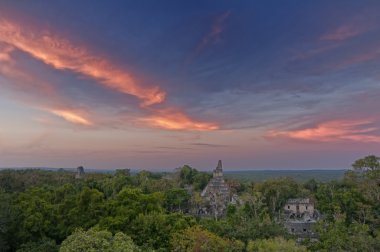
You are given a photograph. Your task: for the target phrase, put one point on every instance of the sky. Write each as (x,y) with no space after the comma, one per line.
(158,84)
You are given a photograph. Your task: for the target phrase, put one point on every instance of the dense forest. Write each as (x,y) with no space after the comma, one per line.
(53,211)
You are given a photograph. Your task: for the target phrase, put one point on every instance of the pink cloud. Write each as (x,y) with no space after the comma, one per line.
(62,54)
(174,119)
(72,116)
(333,131)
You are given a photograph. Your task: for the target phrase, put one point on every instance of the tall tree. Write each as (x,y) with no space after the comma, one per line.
(94,241)
(277,244)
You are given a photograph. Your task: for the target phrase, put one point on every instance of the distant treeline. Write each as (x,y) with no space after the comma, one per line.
(298,175)
(245,176)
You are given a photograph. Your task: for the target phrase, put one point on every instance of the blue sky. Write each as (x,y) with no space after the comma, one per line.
(157,84)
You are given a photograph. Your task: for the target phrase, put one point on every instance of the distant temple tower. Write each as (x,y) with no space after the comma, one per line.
(80,172)
(216,194)
(218,172)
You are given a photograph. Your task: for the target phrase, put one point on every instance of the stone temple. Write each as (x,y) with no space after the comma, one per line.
(80,173)
(217,194)
(300,217)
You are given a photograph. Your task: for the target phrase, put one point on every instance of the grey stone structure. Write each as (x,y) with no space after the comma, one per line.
(80,173)
(299,208)
(300,217)
(302,229)
(217,195)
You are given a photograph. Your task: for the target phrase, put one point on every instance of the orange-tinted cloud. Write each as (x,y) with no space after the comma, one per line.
(175,120)
(62,54)
(72,116)
(332,131)
(54,103)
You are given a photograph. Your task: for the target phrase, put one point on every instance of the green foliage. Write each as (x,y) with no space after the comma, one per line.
(90,207)
(45,245)
(187,174)
(198,239)
(242,227)
(339,236)
(41,210)
(113,185)
(94,241)
(7,217)
(155,230)
(143,217)
(21,180)
(127,205)
(176,199)
(365,180)
(301,176)
(254,204)
(277,244)
(311,185)
(276,192)
(35,215)
(369,163)
(191,176)
(337,199)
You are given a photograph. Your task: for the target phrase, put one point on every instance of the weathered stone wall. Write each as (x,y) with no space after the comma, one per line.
(301,229)
(302,208)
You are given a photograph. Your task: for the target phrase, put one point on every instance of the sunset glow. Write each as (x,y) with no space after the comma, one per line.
(153,85)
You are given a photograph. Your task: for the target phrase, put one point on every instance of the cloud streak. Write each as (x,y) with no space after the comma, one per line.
(30,85)
(176,120)
(334,131)
(63,55)
(72,116)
